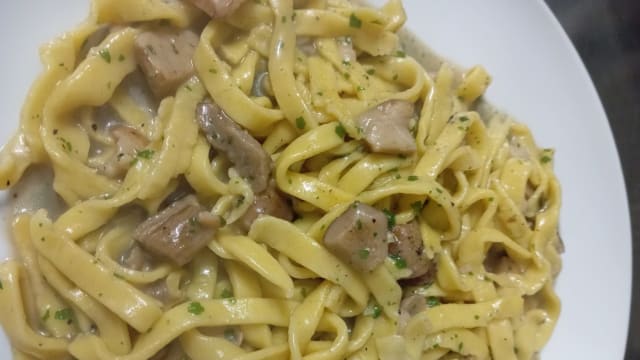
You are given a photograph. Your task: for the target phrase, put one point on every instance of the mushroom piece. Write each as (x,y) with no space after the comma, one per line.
(165,56)
(358,237)
(217,8)
(385,127)
(410,306)
(178,232)
(408,245)
(128,141)
(270,202)
(247,155)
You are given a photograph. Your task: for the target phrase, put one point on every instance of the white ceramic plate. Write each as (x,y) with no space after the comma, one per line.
(538,78)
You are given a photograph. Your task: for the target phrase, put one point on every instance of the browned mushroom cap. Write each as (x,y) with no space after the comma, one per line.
(165,56)
(409,246)
(358,237)
(385,127)
(178,232)
(217,8)
(270,202)
(248,158)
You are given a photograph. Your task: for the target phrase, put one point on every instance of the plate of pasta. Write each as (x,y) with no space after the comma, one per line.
(289,179)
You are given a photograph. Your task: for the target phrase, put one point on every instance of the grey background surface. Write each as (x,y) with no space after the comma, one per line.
(606,33)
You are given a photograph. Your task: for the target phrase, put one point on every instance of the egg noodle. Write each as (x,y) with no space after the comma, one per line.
(484,196)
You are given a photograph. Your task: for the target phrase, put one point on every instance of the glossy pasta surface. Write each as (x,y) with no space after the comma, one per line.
(276,180)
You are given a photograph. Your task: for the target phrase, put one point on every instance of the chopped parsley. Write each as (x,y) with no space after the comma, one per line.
(145,154)
(464,118)
(359,224)
(416,207)
(1,286)
(340,131)
(121,58)
(460,346)
(66,144)
(105,55)
(400,53)
(391,218)
(412,178)
(363,253)
(354,21)
(476,316)
(195,308)
(300,123)
(226,294)
(63,314)
(545,159)
(398,261)
(433,301)
(371,71)
(373,310)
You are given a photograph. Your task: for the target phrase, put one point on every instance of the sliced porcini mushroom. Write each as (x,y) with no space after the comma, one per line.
(408,245)
(247,155)
(409,307)
(178,232)
(165,56)
(269,202)
(359,237)
(136,258)
(385,127)
(217,8)
(128,141)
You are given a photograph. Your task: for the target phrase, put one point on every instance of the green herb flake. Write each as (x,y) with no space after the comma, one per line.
(63,314)
(145,154)
(371,71)
(416,207)
(121,58)
(1,286)
(545,159)
(364,253)
(340,131)
(46,315)
(360,88)
(213,71)
(398,261)
(373,310)
(284,19)
(346,62)
(391,218)
(460,346)
(226,294)
(412,178)
(105,55)
(464,118)
(477,317)
(195,308)
(66,144)
(359,224)
(433,301)
(354,21)
(400,54)
(300,123)
(230,335)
